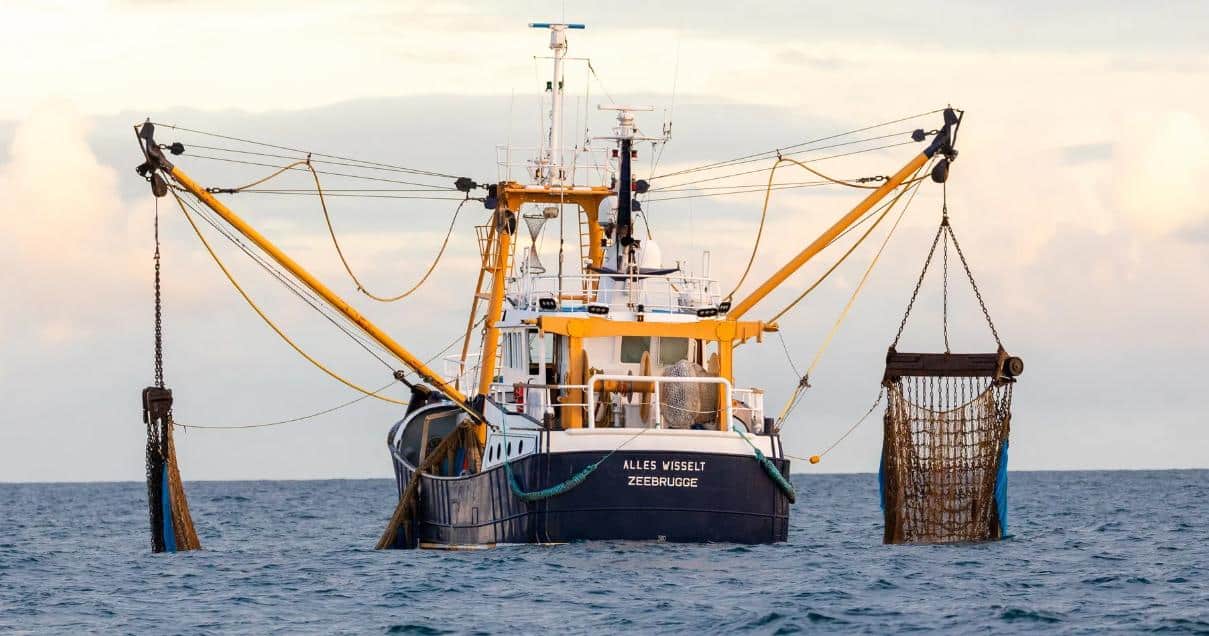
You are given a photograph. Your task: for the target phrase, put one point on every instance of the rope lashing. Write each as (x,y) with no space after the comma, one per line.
(771,469)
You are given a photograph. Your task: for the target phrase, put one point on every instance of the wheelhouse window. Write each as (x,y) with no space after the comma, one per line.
(672,350)
(535,344)
(513,353)
(632,348)
(535,347)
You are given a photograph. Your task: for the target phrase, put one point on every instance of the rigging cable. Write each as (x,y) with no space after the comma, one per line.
(824,158)
(885,209)
(804,382)
(292,158)
(292,420)
(301,292)
(764,211)
(332,232)
(324,411)
(814,459)
(326,172)
(317,154)
(770,153)
(265,318)
(779,154)
(339,252)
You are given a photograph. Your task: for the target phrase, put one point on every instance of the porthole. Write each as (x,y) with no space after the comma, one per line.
(520,447)
(510,449)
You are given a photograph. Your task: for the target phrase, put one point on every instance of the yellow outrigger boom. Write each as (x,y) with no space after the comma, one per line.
(942,142)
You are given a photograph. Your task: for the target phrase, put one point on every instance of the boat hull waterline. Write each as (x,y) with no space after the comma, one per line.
(640,495)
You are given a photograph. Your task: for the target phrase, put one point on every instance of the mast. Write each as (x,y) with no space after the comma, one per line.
(552,169)
(626,131)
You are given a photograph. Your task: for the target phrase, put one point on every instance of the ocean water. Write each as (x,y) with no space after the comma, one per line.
(1090,552)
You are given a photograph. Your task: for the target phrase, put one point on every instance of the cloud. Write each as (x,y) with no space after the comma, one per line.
(66,236)
(1161,172)
(1076,198)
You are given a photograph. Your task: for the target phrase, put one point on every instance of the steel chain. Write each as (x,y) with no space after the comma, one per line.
(945,293)
(159,326)
(915,294)
(974,285)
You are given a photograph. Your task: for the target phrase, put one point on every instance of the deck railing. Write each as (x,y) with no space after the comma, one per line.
(656,382)
(655,293)
(537,399)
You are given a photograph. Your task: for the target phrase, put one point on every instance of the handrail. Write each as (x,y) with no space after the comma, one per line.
(655,381)
(684,294)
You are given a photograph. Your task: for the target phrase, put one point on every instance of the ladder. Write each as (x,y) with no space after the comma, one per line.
(585,250)
(488,251)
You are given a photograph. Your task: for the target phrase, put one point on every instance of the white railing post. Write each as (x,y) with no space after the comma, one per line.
(730,405)
(655,410)
(591,403)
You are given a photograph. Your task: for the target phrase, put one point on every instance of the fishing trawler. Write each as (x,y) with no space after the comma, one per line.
(601,403)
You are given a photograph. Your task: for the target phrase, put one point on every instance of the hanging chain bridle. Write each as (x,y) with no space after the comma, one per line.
(946,230)
(159,325)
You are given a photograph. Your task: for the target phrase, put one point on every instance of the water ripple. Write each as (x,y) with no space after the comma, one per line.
(1090,552)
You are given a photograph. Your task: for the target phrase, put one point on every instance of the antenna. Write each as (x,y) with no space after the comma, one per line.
(552,169)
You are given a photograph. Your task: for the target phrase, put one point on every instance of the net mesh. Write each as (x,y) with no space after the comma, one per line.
(171,524)
(944,443)
(685,404)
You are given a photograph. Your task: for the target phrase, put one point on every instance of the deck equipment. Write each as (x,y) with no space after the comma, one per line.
(943,474)
(171,525)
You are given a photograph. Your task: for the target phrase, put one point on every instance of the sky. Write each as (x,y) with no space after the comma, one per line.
(1076,195)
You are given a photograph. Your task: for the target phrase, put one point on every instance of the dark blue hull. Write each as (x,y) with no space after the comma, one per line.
(636,495)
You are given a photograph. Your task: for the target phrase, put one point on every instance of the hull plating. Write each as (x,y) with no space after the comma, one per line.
(638,495)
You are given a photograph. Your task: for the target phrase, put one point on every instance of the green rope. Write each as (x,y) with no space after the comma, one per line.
(773,472)
(578,478)
(560,488)
(556,489)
